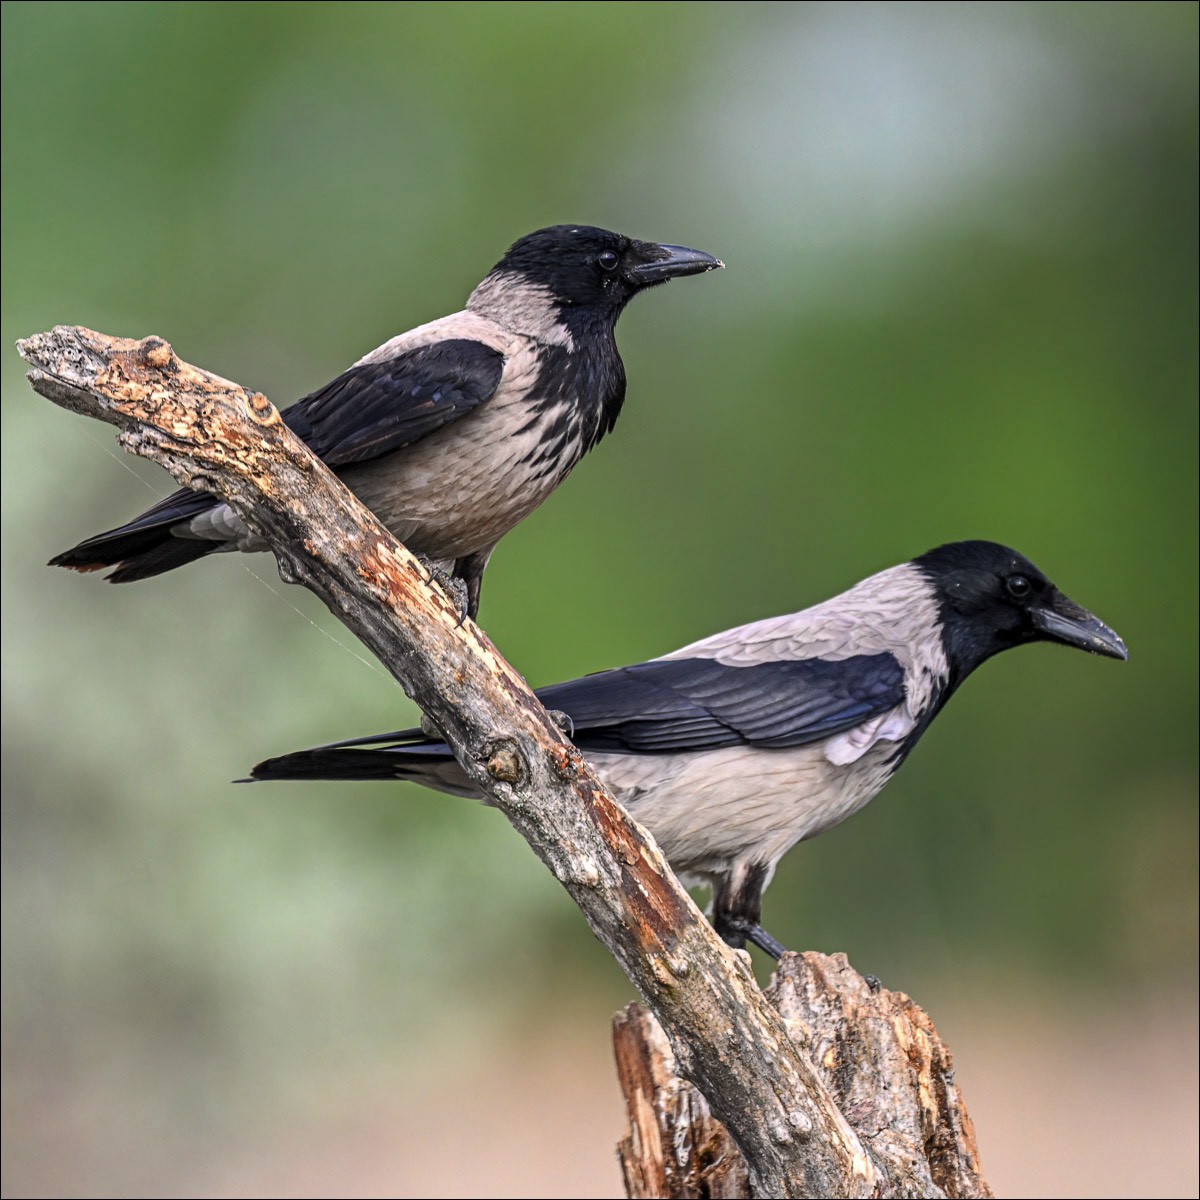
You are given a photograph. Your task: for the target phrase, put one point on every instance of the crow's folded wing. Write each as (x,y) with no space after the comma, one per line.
(668,706)
(376,408)
(671,705)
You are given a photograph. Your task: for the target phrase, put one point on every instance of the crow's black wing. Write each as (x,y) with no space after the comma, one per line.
(680,704)
(668,706)
(375,408)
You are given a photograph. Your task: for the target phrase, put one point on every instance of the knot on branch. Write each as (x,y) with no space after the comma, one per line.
(156,353)
(262,411)
(505,764)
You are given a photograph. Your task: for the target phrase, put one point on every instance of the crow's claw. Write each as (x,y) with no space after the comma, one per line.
(562,720)
(454,588)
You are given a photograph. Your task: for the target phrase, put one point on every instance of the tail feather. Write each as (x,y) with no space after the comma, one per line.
(422,762)
(331,764)
(137,556)
(429,763)
(146,545)
(166,556)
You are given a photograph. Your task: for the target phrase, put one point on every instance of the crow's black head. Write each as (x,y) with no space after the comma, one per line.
(993,598)
(581,266)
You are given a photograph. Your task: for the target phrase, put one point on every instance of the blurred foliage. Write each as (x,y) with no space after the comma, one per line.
(961,302)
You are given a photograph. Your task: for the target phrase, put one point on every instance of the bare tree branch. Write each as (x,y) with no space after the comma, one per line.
(727,1040)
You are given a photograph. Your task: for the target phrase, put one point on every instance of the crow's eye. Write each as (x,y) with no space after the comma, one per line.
(1018,586)
(608,261)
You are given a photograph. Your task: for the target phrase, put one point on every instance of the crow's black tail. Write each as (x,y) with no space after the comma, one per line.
(133,557)
(334,764)
(146,545)
(405,754)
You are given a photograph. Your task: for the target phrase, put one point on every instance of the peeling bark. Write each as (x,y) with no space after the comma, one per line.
(675,1146)
(879,1057)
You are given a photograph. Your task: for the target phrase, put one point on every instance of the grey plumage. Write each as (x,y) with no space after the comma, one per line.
(735,748)
(453,432)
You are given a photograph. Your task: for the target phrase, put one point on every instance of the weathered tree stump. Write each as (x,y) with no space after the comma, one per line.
(876,1052)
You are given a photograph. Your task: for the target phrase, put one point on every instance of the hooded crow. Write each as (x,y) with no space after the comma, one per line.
(457,430)
(735,748)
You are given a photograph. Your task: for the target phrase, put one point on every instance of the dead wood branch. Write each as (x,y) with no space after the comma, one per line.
(213,434)
(726,1039)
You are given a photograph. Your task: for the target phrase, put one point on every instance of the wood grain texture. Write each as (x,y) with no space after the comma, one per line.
(675,1146)
(725,1038)
(878,1055)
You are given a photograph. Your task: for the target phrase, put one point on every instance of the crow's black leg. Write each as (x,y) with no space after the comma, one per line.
(765,942)
(731,929)
(737,908)
(737,931)
(470,571)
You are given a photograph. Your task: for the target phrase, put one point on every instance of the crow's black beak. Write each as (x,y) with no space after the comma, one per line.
(1062,620)
(674,261)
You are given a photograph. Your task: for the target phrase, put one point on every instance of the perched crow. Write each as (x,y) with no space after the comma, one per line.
(455,431)
(733,749)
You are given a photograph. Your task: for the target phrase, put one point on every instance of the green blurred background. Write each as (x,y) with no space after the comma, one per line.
(961,302)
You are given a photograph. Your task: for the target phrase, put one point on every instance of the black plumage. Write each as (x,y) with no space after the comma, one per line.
(669,705)
(380,407)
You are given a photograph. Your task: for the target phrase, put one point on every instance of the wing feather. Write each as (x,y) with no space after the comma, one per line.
(375,408)
(670,706)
